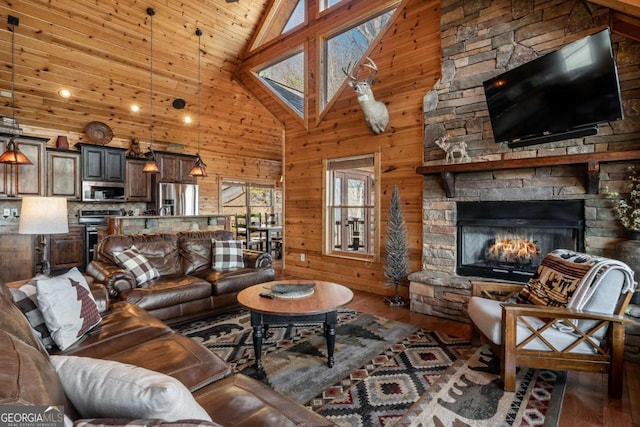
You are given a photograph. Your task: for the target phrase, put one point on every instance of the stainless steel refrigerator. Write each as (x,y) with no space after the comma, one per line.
(177,199)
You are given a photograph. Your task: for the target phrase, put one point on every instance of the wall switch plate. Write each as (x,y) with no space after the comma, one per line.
(6,213)
(303,257)
(15,213)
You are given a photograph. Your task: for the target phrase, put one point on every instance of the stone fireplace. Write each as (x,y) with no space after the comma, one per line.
(480,39)
(507,240)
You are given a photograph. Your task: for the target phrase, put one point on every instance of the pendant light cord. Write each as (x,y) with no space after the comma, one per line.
(199,33)
(13,71)
(151,12)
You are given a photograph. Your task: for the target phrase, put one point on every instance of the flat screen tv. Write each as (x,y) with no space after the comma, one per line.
(561,95)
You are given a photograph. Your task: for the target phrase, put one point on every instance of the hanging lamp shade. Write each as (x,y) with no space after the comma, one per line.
(152,165)
(13,155)
(199,167)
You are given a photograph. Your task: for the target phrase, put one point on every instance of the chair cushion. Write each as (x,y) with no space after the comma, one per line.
(227,254)
(131,259)
(68,307)
(104,388)
(486,315)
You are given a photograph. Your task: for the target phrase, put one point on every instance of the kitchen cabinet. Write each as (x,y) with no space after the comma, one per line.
(106,164)
(67,250)
(63,174)
(138,183)
(175,168)
(24,180)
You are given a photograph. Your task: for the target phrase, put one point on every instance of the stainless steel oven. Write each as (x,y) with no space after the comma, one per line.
(92,219)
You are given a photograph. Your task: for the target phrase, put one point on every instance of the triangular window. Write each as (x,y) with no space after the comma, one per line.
(286,80)
(326,4)
(286,15)
(347,48)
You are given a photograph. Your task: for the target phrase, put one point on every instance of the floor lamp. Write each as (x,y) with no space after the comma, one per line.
(43,216)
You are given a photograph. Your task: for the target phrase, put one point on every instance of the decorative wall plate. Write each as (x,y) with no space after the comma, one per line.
(98,132)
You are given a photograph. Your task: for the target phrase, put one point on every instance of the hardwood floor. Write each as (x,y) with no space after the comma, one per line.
(585,402)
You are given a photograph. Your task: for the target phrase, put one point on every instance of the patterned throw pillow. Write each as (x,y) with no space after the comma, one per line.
(132,260)
(68,307)
(227,254)
(556,279)
(26,299)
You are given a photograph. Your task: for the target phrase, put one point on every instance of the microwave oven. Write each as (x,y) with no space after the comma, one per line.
(93,191)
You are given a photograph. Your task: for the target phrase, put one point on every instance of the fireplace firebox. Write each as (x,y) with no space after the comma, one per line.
(507,240)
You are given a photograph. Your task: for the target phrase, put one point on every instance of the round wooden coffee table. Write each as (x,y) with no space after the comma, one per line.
(319,307)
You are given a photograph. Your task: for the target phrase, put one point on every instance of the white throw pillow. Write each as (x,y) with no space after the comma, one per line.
(104,388)
(67,306)
(138,264)
(26,298)
(227,254)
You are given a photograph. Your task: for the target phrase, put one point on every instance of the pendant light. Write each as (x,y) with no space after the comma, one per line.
(151,166)
(199,168)
(13,155)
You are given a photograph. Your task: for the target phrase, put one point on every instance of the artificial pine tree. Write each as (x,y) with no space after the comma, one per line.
(396,268)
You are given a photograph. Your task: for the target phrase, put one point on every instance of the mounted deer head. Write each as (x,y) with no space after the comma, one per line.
(375,112)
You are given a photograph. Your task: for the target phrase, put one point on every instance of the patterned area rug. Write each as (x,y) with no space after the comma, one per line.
(386,373)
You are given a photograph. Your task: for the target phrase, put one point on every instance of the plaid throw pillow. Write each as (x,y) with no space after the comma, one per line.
(227,254)
(26,299)
(132,260)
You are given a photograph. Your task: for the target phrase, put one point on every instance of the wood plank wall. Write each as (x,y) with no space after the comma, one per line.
(100,51)
(408,58)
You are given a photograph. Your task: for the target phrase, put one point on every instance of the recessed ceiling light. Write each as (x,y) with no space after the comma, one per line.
(187,119)
(64,93)
(135,108)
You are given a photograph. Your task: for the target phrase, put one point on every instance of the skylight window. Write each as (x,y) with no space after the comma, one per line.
(286,80)
(347,48)
(283,17)
(326,4)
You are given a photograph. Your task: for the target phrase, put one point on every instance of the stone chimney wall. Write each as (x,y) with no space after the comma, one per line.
(481,39)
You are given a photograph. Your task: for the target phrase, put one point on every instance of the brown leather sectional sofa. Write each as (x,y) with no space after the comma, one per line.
(129,334)
(187,287)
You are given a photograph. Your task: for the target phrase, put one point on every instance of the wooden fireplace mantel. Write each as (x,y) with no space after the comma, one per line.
(591,162)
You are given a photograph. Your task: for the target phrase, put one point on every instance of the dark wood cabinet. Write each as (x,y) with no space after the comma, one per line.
(103,163)
(138,184)
(24,180)
(63,174)
(67,250)
(175,168)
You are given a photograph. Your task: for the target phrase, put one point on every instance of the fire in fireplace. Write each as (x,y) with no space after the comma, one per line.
(507,240)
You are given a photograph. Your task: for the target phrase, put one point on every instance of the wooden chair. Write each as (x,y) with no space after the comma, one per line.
(255,240)
(240,226)
(585,335)
(276,238)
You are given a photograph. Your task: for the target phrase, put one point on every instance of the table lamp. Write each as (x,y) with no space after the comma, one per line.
(42,216)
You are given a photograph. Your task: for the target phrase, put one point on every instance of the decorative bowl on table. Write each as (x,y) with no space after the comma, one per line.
(292,290)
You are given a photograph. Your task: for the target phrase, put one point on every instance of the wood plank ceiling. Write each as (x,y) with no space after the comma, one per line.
(100,51)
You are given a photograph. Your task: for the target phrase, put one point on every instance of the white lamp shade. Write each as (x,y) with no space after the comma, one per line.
(43,215)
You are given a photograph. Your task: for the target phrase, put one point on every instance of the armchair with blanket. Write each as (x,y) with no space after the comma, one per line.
(570,316)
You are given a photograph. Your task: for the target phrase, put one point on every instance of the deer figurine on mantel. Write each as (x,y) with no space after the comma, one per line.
(375,112)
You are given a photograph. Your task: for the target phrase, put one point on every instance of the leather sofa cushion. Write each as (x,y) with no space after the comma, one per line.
(233,281)
(195,248)
(27,377)
(167,291)
(192,364)
(123,327)
(161,250)
(241,401)
(14,321)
